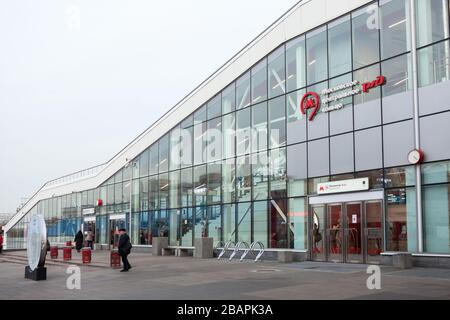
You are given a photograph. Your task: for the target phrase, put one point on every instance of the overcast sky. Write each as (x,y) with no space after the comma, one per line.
(80,79)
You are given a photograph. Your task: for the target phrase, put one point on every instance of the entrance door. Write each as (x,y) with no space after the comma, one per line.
(114,227)
(335,233)
(318,233)
(373,231)
(353,233)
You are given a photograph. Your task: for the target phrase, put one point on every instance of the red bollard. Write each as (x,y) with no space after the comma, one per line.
(86,255)
(115,259)
(54,252)
(67,253)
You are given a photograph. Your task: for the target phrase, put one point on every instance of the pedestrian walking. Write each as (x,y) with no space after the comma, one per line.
(90,239)
(79,241)
(124,249)
(1,243)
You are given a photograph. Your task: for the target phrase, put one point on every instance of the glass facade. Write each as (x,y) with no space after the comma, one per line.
(241,167)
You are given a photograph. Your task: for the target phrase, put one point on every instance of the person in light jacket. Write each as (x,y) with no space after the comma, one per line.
(90,239)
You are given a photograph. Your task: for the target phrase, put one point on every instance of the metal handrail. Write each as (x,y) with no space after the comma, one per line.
(225,248)
(238,247)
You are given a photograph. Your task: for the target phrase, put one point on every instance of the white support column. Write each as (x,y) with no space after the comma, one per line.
(416,125)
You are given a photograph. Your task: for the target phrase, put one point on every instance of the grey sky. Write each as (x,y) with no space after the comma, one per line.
(74,91)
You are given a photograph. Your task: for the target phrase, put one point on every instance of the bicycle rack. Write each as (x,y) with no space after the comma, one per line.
(237,248)
(224,249)
(247,250)
(261,249)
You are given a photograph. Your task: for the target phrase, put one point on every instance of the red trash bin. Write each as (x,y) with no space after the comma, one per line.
(86,255)
(54,252)
(67,253)
(115,259)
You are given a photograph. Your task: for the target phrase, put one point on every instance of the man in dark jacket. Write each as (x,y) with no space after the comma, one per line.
(124,249)
(79,240)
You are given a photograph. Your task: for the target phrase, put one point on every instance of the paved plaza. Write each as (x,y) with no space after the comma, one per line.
(186,278)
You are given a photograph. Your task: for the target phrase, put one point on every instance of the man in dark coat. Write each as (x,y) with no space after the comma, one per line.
(124,249)
(79,241)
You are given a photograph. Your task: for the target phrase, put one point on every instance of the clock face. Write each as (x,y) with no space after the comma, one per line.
(415,157)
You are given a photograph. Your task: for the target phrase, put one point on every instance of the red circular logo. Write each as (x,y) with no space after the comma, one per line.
(310,100)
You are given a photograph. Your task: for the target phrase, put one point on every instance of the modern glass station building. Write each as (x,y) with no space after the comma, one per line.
(327,135)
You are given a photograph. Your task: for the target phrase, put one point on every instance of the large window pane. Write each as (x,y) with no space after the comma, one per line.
(228,181)
(200,185)
(164,191)
(438,172)
(143,196)
(431,21)
(187,225)
(296,121)
(215,223)
(277,122)
(395,27)
(259,82)
(243,91)
(214,183)
(229,131)
(229,99)
(437,218)
(278,173)
(186,147)
(434,64)
(400,177)
(175,146)
(243,179)
(277,73)
(174,182)
(186,187)
(401,220)
(339,43)
(366,75)
(244,222)
(260,222)
(229,222)
(278,224)
(200,115)
(200,143)
(214,107)
(298,223)
(316,57)
(397,73)
(153,192)
(296,64)
(365,25)
(260,175)
(154,159)
(214,140)
(164,153)
(144,163)
(259,127)
(243,132)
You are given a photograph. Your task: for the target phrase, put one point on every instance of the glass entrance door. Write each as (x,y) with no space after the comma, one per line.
(335,233)
(373,231)
(114,227)
(318,233)
(353,233)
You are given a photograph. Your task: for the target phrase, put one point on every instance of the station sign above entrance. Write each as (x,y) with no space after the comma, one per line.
(343,186)
(332,101)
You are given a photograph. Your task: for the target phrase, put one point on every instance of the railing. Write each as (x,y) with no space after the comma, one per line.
(75,176)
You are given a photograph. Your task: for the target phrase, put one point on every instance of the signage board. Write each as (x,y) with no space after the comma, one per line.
(343,186)
(88,211)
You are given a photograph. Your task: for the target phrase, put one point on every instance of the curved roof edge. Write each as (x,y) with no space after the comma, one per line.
(302,17)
